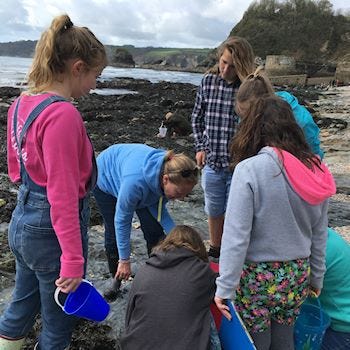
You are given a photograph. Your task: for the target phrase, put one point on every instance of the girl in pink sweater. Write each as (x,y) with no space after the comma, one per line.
(51,157)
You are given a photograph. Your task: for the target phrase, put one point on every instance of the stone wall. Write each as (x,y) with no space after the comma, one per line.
(291,80)
(343,72)
(279,65)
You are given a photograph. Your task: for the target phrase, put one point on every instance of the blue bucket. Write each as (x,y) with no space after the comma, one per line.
(85,302)
(310,326)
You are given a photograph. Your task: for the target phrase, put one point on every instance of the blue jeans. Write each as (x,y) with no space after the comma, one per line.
(216,187)
(37,251)
(334,340)
(152,231)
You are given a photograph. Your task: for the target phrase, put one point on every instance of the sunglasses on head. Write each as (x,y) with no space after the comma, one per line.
(189,172)
(186,172)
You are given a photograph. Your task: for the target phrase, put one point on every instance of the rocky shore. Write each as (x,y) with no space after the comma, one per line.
(136,118)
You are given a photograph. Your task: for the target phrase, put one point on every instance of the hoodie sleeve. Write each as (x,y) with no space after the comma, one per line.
(126,205)
(318,249)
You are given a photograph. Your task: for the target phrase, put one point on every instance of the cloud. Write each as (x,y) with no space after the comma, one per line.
(170,23)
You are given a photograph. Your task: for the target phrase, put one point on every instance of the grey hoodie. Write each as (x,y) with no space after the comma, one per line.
(269,219)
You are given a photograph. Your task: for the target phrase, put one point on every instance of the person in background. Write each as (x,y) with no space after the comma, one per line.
(170,296)
(335,294)
(257,85)
(51,157)
(275,232)
(138,178)
(214,122)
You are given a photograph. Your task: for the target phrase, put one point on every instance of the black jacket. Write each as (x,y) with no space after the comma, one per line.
(169,303)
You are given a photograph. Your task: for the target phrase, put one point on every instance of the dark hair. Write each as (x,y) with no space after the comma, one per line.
(270,122)
(61,42)
(186,237)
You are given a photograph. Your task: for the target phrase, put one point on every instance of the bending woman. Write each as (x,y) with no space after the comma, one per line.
(138,178)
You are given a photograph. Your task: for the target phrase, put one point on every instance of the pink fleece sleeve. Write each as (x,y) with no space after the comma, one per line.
(63,141)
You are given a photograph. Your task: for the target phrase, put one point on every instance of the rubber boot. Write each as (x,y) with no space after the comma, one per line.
(112,290)
(36,347)
(214,254)
(14,344)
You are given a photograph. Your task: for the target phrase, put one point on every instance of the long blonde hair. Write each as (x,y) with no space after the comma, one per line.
(242,56)
(61,42)
(186,237)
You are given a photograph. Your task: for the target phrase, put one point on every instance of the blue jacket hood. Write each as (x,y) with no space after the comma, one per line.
(286,96)
(305,121)
(151,169)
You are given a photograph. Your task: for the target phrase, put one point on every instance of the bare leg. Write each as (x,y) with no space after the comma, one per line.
(216,226)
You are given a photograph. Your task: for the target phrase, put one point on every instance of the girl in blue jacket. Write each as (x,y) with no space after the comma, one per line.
(138,178)
(257,85)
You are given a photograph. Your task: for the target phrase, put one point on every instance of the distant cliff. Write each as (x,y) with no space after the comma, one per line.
(130,56)
(162,57)
(22,48)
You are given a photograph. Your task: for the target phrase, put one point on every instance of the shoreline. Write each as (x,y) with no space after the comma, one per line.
(335,140)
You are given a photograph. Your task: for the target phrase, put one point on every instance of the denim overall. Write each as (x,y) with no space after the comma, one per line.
(34,243)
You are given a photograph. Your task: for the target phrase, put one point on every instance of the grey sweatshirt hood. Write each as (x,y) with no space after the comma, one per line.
(312,185)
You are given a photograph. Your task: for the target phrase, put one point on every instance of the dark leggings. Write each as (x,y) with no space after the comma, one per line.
(276,337)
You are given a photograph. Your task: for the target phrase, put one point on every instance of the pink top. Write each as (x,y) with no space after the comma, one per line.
(313,186)
(57,154)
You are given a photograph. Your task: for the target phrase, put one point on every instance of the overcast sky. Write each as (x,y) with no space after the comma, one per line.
(166,23)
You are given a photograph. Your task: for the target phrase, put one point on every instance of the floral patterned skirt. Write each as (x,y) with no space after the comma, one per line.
(272,290)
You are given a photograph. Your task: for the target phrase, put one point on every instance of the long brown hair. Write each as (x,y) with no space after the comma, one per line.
(61,42)
(254,85)
(270,122)
(186,237)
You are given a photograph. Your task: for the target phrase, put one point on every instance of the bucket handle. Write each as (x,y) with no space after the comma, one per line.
(57,292)
(320,308)
(318,302)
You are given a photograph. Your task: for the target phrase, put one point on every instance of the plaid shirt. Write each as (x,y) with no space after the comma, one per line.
(214,120)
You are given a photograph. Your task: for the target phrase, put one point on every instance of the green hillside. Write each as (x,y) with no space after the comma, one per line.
(305,29)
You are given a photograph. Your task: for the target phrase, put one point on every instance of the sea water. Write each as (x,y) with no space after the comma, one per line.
(14,70)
